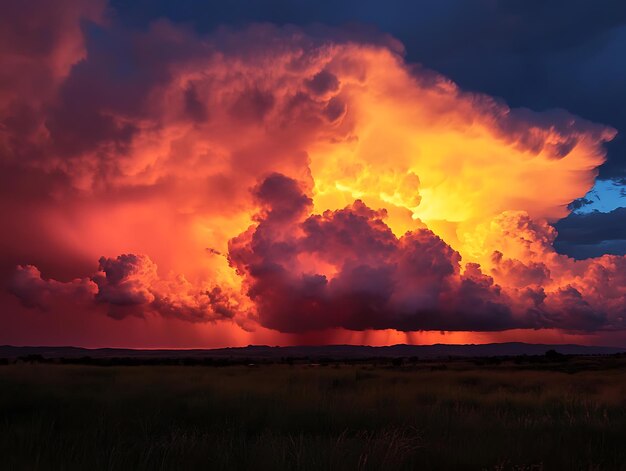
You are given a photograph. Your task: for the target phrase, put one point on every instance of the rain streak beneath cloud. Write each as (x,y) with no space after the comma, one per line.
(292,179)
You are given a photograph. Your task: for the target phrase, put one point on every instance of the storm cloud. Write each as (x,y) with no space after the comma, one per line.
(301,178)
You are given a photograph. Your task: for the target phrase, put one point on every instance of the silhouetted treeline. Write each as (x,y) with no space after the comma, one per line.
(551,357)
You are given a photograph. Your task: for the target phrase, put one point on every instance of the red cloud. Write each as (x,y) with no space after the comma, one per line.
(128,285)
(115,140)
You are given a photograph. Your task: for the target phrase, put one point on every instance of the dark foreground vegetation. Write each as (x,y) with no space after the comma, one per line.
(524,413)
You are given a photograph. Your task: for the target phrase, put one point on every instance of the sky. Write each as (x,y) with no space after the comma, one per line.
(203,174)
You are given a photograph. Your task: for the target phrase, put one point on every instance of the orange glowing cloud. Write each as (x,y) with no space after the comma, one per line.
(274,178)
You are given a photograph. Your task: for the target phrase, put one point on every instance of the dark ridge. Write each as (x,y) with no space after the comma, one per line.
(325,351)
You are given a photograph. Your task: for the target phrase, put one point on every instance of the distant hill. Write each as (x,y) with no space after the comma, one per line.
(323,351)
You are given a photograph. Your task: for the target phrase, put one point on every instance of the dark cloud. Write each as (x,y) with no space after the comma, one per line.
(585,251)
(579,203)
(34,291)
(592,228)
(592,234)
(323,82)
(347,269)
(126,280)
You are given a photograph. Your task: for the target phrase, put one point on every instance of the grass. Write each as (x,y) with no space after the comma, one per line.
(313,417)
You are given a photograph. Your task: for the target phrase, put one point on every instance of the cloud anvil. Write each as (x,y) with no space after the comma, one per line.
(292,179)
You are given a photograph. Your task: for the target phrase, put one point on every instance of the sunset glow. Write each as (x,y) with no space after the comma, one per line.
(280,185)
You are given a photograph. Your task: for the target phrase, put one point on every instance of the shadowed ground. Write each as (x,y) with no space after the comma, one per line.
(570,414)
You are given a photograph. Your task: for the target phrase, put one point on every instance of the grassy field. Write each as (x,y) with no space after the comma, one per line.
(421,416)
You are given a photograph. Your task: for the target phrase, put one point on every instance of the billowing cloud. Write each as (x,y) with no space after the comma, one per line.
(128,285)
(287,178)
(346,268)
(28,285)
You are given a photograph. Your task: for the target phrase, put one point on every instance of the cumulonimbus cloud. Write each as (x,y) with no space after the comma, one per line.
(383,196)
(346,268)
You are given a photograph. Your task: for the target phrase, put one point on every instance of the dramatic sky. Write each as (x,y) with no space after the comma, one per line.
(204,174)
